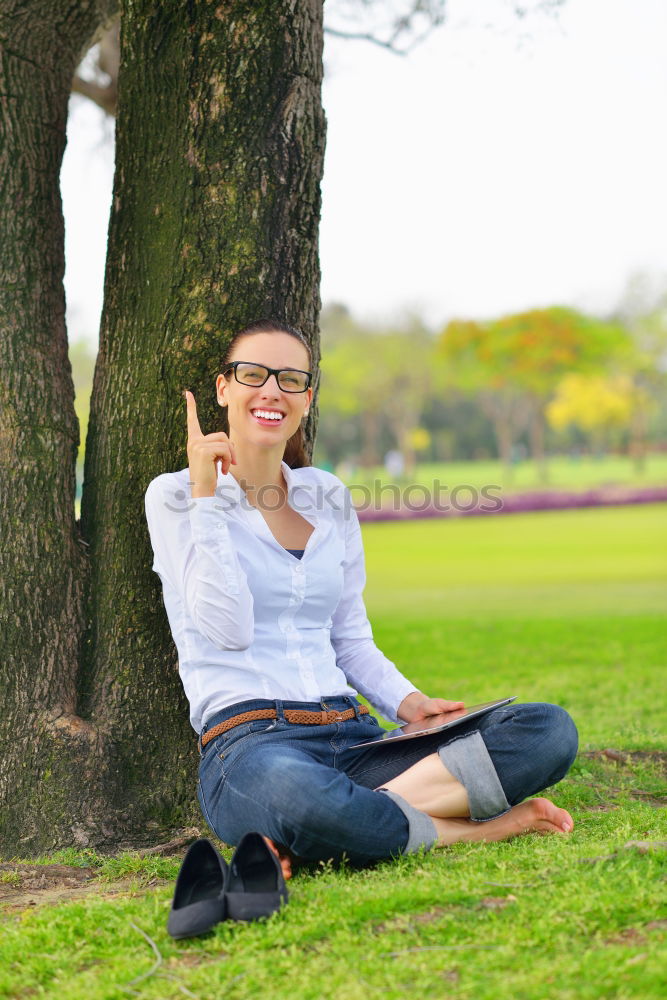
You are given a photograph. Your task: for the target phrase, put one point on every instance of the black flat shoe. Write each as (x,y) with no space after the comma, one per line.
(199,900)
(255,885)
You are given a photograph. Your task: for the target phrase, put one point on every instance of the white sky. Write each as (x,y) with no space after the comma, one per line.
(491,170)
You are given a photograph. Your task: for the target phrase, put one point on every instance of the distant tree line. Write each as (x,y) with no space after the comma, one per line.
(544,380)
(549,380)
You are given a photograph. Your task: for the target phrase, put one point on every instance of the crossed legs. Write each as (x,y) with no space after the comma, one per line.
(431,788)
(476,787)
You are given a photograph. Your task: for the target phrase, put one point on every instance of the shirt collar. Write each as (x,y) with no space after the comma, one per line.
(229,490)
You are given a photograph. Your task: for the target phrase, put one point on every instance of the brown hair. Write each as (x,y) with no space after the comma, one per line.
(295,450)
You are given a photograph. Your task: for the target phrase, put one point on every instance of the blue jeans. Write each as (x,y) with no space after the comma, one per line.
(303,787)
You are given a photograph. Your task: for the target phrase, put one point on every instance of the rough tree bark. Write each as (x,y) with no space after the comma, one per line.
(42,560)
(214,221)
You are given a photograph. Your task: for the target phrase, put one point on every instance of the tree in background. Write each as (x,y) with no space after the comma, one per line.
(467,351)
(383,376)
(599,405)
(82,359)
(348,383)
(409,376)
(513,365)
(643,311)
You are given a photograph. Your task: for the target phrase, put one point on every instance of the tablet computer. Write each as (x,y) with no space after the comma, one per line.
(433,724)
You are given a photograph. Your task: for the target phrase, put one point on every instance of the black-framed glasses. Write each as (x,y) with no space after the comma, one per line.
(288,379)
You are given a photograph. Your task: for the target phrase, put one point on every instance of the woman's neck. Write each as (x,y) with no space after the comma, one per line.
(259,473)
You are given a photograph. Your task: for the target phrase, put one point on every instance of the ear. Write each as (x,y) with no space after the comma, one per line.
(221,390)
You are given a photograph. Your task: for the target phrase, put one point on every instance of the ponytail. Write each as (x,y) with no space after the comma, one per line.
(295,450)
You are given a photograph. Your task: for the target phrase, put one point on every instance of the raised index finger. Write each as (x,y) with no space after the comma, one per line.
(194,430)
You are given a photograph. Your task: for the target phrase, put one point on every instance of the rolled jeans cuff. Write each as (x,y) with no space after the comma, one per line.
(468,760)
(422,831)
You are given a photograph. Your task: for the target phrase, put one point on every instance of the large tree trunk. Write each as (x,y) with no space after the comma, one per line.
(215,217)
(45,747)
(216,203)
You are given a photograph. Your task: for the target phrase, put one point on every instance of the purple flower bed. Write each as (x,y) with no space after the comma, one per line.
(522,503)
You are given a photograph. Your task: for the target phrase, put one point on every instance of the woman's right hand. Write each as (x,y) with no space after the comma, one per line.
(417,706)
(204,453)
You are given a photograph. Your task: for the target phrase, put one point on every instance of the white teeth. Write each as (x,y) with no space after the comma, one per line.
(267,414)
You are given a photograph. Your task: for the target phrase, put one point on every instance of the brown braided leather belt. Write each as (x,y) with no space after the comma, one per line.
(294,715)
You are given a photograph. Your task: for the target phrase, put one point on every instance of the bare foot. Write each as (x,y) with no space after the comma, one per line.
(533,816)
(283,855)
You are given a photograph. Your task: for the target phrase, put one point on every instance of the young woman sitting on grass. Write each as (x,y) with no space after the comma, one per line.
(262,568)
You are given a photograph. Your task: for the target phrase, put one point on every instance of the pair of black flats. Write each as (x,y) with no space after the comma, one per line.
(209,890)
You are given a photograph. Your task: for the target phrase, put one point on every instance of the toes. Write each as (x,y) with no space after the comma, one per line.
(567,824)
(285,860)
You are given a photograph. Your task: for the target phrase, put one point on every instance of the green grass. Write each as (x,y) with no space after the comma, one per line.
(567,607)
(563,473)
(564,564)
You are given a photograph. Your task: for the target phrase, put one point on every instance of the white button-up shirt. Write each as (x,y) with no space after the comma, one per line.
(249,619)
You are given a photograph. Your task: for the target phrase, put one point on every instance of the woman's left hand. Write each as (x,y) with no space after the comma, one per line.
(418,706)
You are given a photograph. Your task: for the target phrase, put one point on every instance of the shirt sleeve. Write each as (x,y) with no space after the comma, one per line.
(364,665)
(194,555)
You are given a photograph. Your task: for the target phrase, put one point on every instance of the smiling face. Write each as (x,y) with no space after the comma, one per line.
(265,415)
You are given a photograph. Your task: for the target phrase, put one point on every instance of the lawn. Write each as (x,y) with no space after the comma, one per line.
(563,472)
(561,606)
